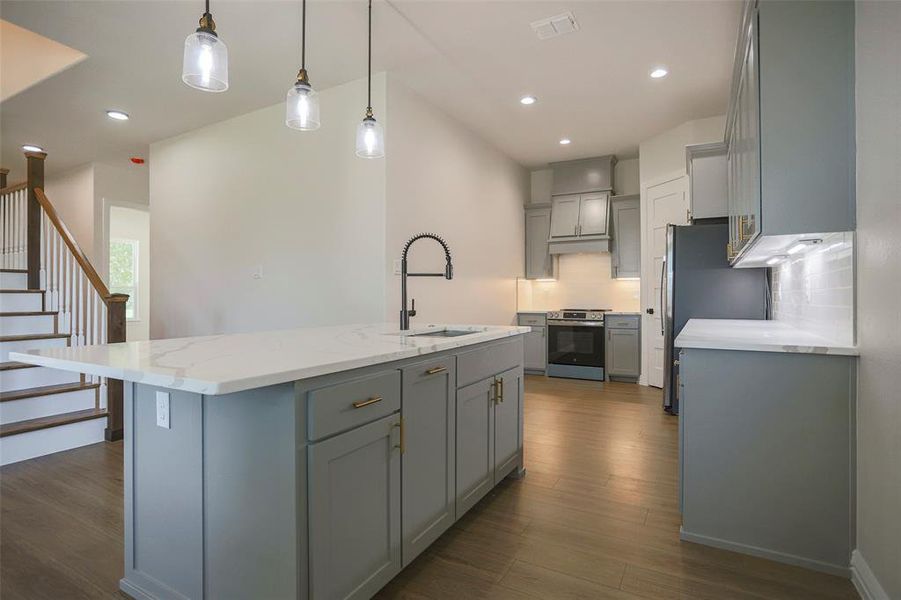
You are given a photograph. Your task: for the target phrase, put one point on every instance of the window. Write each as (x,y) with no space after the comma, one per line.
(123,273)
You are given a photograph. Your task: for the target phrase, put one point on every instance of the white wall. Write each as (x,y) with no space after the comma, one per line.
(72,195)
(116,183)
(662,158)
(134,224)
(248,194)
(878,73)
(445,179)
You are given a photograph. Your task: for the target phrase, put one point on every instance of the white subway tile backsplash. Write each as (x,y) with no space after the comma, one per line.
(815,290)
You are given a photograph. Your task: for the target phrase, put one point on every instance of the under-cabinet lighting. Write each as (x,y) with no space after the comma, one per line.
(545,280)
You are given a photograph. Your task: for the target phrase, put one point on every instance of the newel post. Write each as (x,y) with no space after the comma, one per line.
(3,174)
(35,179)
(115,332)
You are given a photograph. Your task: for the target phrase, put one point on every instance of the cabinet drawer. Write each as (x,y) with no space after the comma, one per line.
(621,321)
(532,319)
(352,403)
(475,365)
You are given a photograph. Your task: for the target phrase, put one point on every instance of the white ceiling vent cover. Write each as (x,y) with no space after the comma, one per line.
(554,26)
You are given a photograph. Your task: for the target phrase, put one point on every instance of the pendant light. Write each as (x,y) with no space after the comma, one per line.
(370,135)
(205,65)
(302,104)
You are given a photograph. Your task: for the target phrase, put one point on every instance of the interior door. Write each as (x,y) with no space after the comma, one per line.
(565,216)
(593,214)
(667,203)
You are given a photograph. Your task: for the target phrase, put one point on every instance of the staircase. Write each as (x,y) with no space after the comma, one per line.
(50,297)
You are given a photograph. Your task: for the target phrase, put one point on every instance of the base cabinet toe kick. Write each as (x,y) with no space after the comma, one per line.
(323,488)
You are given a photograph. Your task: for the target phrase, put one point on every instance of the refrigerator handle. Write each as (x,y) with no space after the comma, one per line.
(663,295)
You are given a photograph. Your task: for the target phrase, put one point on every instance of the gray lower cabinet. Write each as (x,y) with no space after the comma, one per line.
(507,424)
(355,511)
(429,459)
(534,342)
(623,346)
(475,443)
(626,222)
(539,262)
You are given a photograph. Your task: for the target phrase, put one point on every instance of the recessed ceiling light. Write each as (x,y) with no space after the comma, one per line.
(527,100)
(31,148)
(118,115)
(658,73)
(565,142)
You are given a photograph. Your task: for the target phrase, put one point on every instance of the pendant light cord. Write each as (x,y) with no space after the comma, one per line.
(303,35)
(207,7)
(369,66)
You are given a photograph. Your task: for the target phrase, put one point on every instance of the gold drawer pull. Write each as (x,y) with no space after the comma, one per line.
(362,403)
(435,370)
(402,445)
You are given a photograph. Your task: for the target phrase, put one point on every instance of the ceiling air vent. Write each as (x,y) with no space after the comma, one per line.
(554,26)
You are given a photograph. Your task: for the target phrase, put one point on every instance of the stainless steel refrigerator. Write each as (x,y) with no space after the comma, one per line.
(700,284)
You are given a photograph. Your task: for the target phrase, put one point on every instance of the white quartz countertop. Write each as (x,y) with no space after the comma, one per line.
(756,335)
(222,364)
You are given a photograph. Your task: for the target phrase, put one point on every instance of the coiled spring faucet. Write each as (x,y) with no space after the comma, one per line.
(448,274)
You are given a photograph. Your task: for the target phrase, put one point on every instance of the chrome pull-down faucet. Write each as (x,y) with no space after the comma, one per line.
(448,274)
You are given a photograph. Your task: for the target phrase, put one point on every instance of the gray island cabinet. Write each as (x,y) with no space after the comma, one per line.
(318,486)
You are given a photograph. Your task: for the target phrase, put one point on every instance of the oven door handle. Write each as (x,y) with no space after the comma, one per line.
(553,322)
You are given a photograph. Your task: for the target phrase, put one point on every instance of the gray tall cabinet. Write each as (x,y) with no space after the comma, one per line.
(540,264)
(790,126)
(626,223)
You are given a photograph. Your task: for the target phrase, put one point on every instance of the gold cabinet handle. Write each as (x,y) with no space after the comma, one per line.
(435,370)
(402,445)
(495,389)
(367,402)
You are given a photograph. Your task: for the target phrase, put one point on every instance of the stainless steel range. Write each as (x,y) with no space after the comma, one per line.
(575,343)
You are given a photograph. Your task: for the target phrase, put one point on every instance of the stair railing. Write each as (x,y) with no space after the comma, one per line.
(41,243)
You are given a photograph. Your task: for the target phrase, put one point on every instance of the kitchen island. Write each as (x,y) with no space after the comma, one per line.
(310,463)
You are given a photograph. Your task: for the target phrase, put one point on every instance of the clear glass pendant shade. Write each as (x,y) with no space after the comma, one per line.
(370,139)
(302,107)
(205,65)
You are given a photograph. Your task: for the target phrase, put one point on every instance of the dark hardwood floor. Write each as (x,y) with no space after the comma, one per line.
(595,517)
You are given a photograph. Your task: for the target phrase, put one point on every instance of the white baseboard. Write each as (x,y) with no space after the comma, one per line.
(789,559)
(864,580)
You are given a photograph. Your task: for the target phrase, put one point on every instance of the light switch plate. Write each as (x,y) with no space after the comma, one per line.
(162,410)
(397,266)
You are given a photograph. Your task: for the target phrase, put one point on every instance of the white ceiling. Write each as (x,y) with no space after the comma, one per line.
(472,58)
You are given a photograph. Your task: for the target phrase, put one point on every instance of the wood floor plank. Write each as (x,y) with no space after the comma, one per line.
(595,517)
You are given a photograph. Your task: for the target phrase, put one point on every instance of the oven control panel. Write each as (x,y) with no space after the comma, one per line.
(576,315)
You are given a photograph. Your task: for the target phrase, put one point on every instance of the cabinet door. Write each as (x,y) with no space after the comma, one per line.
(535,349)
(623,357)
(507,432)
(475,443)
(593,214)
(751,102)
(565,216)
(354,511)
(539,262)
(428,459)
(626,238)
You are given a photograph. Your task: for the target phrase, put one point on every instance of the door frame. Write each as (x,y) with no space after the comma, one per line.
(647,261)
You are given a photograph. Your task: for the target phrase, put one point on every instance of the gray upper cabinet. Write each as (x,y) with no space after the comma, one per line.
(539,262)
(475,443)
(565,216)
(706,164)
(355,510)
(429,481)
(585,175)
(580,215)
(626,223)
(791,139)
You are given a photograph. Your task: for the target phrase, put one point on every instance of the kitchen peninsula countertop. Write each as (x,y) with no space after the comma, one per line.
(756,335)
(223,364)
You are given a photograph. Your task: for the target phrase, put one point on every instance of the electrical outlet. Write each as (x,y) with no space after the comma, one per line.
(397,266)
(162,410)
(257,272)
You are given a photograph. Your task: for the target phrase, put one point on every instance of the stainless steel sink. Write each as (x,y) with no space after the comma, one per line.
(443,333)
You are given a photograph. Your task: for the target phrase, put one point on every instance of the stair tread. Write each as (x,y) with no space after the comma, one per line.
(52,421)
(25,291)
(46,390)
(12,364)
(28,313)
(33,336)
(13,270)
